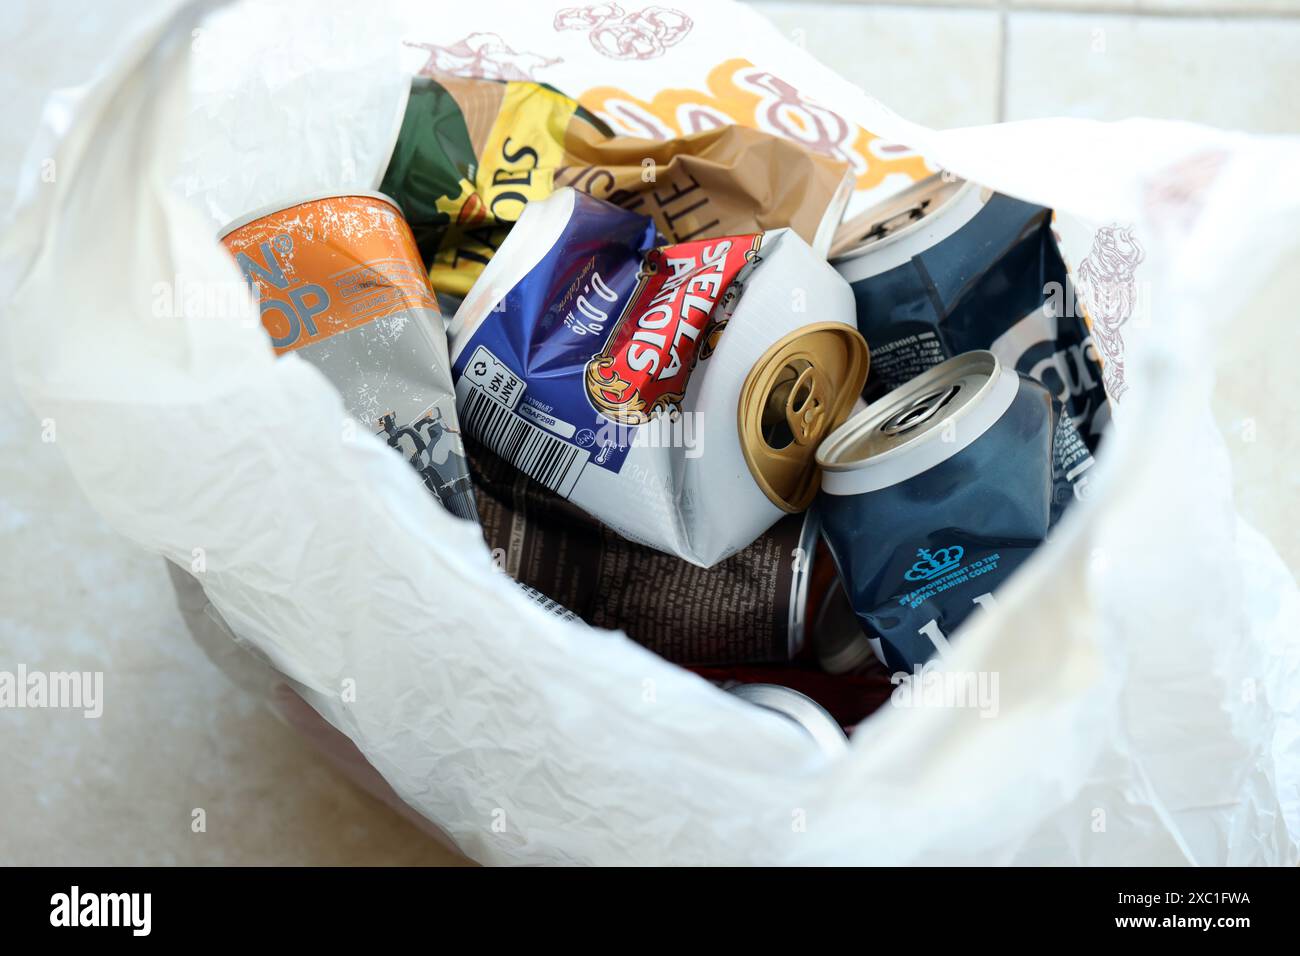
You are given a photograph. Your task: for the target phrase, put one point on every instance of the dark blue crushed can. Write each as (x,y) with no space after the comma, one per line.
(933,495)
(947,267)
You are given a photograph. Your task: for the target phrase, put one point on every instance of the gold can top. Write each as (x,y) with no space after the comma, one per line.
(800,391)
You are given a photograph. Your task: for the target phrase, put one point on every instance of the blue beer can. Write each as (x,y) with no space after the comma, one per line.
(934,494)
(948,266)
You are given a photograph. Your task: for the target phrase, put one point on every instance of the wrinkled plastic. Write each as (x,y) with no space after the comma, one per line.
(1147,656)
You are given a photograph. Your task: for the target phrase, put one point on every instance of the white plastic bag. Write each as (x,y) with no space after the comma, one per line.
(1147,659)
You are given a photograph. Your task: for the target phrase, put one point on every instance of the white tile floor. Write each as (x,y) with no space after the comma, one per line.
(176,736)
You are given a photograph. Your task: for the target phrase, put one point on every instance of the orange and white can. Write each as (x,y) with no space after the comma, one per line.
(342,284)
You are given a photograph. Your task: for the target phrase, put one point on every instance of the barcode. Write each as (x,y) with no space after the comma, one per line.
(542,457)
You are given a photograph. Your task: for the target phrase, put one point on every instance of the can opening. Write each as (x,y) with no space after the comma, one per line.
(795,395)
(921,410)
(791,401)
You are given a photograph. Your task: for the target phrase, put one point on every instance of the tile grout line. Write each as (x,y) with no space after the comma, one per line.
(1004,45)
(1227,11)
(1083,7)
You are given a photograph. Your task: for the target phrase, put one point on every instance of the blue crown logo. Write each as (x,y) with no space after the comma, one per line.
(933,565)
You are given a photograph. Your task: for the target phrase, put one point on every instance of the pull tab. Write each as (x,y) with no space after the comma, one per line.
(805,407)
(906,217)
(921,410)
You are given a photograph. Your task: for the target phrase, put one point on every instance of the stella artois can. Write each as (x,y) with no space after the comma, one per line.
(946,267)
(933,495)
(676,393)
(342,285)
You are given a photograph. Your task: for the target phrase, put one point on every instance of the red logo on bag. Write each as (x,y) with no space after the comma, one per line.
(672,320)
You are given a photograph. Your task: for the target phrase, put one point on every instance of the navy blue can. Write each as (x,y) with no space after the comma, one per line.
(947,267)
(936,493)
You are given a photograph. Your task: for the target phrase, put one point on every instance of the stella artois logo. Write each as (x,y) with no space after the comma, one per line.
(673,319)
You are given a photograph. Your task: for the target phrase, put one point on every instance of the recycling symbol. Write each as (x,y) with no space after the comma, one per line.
(480,369)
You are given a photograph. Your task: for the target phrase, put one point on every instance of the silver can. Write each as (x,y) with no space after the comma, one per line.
(800,709)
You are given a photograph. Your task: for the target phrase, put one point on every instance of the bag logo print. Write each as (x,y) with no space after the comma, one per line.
(637,35)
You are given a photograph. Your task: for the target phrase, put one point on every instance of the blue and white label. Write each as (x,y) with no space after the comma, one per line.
(485,371)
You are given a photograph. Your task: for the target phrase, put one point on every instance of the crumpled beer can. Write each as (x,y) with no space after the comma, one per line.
(933,495)
(947,267)
(676,393)
(342,285)
(756,606)
(472,153)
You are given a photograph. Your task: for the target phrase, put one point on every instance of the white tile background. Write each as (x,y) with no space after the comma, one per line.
(176,735)
(1226,63)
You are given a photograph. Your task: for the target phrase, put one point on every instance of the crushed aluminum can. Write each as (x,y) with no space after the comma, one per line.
(342,285)
(947,267)
(471,153)
(675,393)
(933,495)
(755,606)
(800,709)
